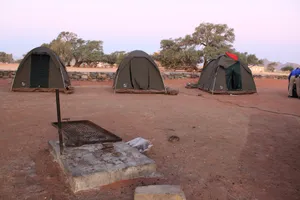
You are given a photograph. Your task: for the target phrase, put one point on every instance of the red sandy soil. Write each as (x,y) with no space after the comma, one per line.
(231,147)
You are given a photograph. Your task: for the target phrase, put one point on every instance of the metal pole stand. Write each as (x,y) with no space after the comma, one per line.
(61,146)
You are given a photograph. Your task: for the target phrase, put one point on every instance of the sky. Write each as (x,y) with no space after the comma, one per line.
(268,28)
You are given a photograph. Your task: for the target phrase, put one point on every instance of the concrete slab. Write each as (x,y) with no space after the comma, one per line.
(159,192)
(91,166)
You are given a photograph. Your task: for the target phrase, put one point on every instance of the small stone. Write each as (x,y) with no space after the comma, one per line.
(75,77)
(102,75)
(195,75)
(171,91)
(84,76)
(159,192)
(93,75)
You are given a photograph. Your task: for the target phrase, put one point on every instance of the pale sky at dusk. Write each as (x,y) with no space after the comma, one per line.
(268,28)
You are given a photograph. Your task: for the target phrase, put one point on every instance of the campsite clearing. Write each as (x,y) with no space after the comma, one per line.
(230,147)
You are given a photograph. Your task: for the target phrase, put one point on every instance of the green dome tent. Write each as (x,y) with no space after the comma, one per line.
(227,75)
(41,70)
(138,73)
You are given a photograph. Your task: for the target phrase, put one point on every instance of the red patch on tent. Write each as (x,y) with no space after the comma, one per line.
(233,56)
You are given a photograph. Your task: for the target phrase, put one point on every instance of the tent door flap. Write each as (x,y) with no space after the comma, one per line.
(139,73)
(39,73)
(233,77)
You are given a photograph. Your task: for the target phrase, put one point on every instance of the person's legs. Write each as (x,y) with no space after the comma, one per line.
(298,86)
(291,84)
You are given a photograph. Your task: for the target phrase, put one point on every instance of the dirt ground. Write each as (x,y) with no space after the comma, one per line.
(231,147)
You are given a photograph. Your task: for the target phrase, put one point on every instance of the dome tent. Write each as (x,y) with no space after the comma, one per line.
(138,73)
(227,75)
(41,70)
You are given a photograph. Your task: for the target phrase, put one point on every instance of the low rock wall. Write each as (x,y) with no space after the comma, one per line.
(105,76)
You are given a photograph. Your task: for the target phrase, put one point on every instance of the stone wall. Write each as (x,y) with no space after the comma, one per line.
(91,76)
(105,76)
(7,74)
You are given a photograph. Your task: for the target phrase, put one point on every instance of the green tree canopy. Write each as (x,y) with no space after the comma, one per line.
(249,59)
(114,58)
(6,58)
(207,42)
(271,66)
(287,68)
(68,46)
(67,36)
(89,52)
(61,48)
(213,39)
(178,54)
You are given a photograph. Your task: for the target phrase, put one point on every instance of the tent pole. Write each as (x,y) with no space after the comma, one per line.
(61,147)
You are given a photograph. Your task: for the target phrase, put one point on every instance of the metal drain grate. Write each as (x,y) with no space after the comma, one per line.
(77,133)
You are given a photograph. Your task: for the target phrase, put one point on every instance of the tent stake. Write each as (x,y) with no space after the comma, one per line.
(61,147)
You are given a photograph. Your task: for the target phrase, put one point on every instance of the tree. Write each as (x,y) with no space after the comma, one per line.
(213,39)
(253,60)
(114,58)
(6,58)
(120,56)
(178,54)
(68,46)
(287,68)
(89,52)
(67,36)
(249,59)
(207,42)
(77,48)
(271,66)
(92,52)
(62,48)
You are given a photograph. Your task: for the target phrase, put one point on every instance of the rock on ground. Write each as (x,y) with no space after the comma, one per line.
(159,192)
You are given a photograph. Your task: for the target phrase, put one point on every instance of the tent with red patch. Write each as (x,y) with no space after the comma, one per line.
(227,75)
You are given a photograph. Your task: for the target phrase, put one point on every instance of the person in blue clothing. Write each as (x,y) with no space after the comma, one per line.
(298,83)
(294,78)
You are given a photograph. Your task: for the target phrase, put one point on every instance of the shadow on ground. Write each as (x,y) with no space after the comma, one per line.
(270,158)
